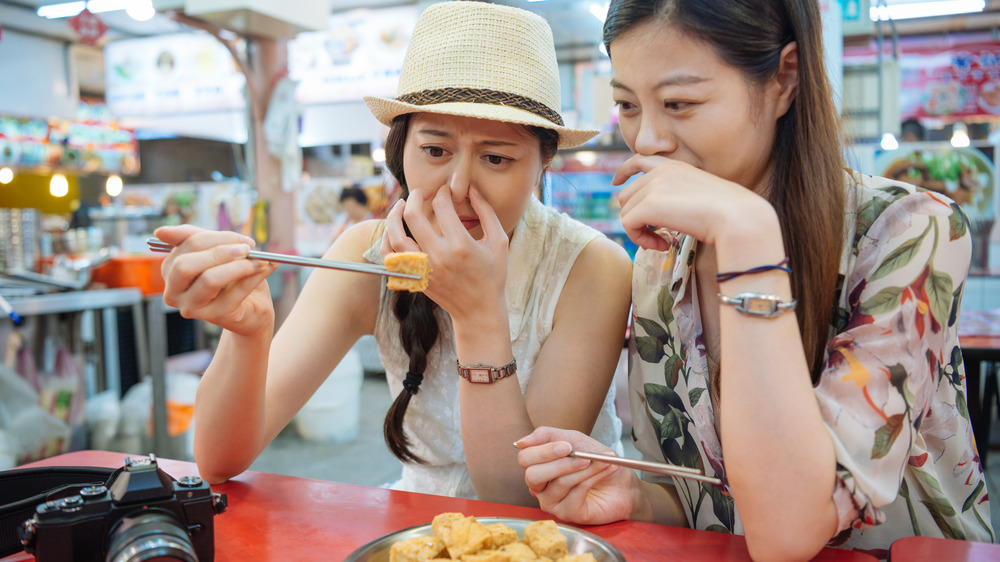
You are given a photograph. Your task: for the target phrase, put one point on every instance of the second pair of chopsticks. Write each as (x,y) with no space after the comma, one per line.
(648,466)
(158,245)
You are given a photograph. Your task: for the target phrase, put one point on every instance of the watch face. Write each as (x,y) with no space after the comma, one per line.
(758,305)
(479,375)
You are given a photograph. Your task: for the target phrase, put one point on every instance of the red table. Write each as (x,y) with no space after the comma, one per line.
(274,517)
(927,549)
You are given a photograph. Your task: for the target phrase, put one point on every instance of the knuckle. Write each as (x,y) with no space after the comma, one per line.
(213,281)
(182,268)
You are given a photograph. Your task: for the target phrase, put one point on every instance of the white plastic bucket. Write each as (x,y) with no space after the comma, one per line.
(333,414)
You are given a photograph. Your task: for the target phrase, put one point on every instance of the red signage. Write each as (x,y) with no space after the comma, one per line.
(961,81)
(88,26)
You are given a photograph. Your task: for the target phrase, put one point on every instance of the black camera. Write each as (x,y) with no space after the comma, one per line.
(140,514)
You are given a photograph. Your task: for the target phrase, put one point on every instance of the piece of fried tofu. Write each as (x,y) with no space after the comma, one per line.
(500,535)
(465,536)
(417,549)
(413,263)
(545,538)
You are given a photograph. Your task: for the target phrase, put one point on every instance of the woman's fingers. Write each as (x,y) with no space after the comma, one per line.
(193,238)
(396,239)
(493,231)
(636,164)
(415,213)
(186,267)
(195,279)
(229,298)
(444,211)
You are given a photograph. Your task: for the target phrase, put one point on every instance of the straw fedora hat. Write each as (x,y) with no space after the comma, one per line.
(481,60)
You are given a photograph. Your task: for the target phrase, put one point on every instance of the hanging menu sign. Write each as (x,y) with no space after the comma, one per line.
(955,82)
(360,53)
(171,74)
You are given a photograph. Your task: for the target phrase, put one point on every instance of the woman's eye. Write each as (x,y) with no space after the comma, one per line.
(625,106)
(497,160)
(434,151)
(675,105)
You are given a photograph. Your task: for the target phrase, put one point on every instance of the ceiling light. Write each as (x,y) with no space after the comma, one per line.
(959,135)
(58,186)
(889,142)
(114,185)
(600,11)
(6,175)
(140,10)
(909,10)
(70,9)
(378,155)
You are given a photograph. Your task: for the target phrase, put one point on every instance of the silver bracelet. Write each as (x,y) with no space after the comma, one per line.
(757,304)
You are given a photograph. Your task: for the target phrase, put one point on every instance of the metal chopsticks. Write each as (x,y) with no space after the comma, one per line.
(157,245)
(657,467)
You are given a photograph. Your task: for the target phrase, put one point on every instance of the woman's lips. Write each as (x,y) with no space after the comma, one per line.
(469,222)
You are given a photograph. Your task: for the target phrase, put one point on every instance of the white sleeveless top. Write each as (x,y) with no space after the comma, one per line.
(543,248)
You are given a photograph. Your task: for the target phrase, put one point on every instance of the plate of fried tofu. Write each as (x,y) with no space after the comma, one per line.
(455,536)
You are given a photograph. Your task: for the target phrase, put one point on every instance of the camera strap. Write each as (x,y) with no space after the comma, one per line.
(22,489)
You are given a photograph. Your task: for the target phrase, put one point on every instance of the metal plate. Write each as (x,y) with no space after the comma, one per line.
(577,541)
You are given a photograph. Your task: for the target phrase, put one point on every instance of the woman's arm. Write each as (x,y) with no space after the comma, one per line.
(570,379)
(779,455)
(255,386)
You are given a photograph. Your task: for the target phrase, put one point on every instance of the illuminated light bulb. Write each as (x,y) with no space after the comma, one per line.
(378,155)
(889,142)
(586,157)
(114,185)
(140,10)
(58,186)
(959,135)
(6,175)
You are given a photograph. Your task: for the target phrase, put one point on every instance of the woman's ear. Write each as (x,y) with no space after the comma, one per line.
(787,77)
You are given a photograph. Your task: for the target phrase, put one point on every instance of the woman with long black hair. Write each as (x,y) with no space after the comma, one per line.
(794,323)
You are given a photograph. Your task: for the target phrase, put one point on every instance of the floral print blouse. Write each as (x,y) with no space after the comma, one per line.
(891,390)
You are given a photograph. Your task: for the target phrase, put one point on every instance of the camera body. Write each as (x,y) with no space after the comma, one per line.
(141,511)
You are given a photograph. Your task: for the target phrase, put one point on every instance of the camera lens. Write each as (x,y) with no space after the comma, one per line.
(150,536)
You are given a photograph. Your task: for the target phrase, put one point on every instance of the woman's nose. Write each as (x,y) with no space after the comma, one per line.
(654,137)
(461,178)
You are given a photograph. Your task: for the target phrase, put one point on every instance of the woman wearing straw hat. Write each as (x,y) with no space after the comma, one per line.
(511,291)
(805,315)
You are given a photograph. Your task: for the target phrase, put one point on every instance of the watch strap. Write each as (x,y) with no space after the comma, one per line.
(757,304)
(485,374)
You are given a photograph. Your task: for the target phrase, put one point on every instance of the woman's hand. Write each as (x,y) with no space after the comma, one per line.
(207,277)
(679,197)
(465,272)
(573,489)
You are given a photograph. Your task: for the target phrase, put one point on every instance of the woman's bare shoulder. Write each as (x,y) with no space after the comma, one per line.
(354,242)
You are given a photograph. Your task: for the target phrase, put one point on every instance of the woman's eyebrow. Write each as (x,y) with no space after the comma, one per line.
(434,133)
(494,142)
(447,135)
(679,80)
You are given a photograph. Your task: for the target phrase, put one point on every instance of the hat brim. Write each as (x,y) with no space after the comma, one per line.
(385,110)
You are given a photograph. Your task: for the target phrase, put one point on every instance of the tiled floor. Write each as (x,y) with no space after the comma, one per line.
(367,461)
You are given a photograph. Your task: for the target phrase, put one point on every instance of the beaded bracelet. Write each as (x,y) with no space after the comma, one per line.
(720,277)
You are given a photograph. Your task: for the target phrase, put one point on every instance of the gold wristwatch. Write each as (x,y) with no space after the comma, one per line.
(484,374)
